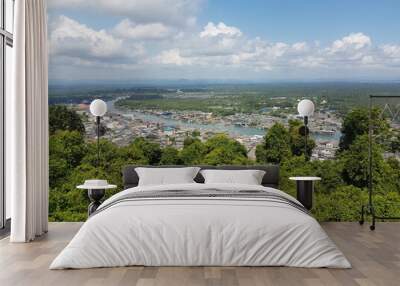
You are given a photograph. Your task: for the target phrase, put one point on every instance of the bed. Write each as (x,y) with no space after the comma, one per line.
(201,224)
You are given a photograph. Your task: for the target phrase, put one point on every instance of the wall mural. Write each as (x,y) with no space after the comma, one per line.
(188,88)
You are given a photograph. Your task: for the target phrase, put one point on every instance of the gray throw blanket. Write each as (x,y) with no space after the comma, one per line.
(206,194)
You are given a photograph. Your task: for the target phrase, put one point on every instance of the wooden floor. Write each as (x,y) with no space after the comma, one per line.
(375,257)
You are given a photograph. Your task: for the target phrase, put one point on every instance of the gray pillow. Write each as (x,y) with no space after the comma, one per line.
(247,177)
(166,176)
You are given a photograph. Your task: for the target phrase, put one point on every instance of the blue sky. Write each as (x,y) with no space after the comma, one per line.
(307,20)
(251,40)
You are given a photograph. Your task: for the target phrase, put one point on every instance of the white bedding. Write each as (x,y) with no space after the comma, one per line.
(200,231)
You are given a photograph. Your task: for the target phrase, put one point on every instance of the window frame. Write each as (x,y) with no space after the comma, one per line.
(6,39)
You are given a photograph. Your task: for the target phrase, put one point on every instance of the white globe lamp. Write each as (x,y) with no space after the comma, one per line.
(98,107)
(305,108)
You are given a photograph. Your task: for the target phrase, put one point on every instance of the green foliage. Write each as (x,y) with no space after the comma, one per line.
(222,141)
(151,151)
(356,123)
(193,154)
(170,156)
(72,161)
(293,166)
(330,172)
(395,143)
(69,145)
(261,154)
(356,164)
(297,141)
(196,133)
(66,148)
(394,165)
(338,196)
(218,150)
(224,156)
(387,204)
(281,143)
(276,145)
(222,150)
(217,105)
(190,140)
(63,118)
(342,204)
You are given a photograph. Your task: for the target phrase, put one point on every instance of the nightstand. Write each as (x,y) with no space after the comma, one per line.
(305,189)
(96,191)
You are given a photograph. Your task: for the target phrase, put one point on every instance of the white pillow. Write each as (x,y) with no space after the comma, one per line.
(166,176)
(248,177)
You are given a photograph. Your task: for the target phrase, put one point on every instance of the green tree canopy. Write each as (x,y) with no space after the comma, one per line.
(356,164)
(189,140)
(170,156)
(63,118)
(225,156)
(223,141)
(276,145)
(218,150)
(66,150)
(338,195)
(151,151)
(297,141)
(193,154)
(196,133)
(261,155)
(356,123)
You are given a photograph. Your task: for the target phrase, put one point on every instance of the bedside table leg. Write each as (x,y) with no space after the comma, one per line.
(305,193)
(95,197)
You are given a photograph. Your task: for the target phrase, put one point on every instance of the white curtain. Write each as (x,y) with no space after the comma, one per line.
(27,123)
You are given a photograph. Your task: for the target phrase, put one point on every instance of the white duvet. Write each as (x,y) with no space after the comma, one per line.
(202,232)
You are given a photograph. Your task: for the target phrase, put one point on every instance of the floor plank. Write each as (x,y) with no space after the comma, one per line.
(375,257)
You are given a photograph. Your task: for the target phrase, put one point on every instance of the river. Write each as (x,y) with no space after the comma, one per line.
(217,127)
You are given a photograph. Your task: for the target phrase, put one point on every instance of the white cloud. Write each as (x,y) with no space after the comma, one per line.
(173,57)
(212,30)
(300,47)
(392,51)
(128,29)
(220,49)
(352,52)
(391,55)
(170,12)
(216,49)
(368,60)
(354,41)
(309,62)
(69,38)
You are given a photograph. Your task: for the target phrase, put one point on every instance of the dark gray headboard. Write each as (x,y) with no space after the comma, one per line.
(271,177)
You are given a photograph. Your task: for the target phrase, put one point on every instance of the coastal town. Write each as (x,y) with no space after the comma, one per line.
(170,128)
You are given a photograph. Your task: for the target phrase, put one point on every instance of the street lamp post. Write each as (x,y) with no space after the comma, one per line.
(305,109)
(98,108)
